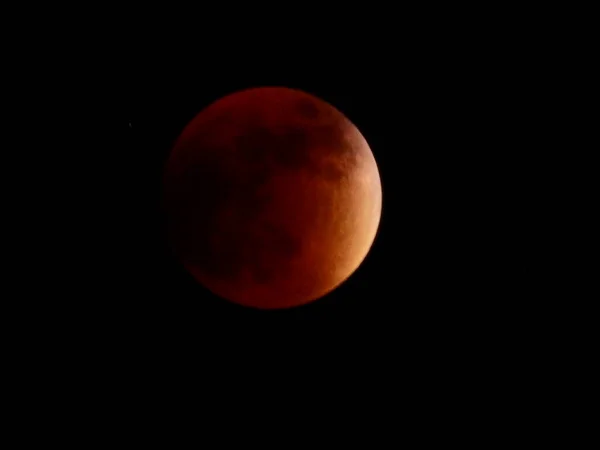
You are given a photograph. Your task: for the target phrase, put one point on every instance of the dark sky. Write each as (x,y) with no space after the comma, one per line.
(453,308)
(451,278)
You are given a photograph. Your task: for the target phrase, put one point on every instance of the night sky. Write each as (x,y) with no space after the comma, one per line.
(450,279)
(457,306)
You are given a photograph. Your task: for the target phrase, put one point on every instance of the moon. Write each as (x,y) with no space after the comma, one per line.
(272,198)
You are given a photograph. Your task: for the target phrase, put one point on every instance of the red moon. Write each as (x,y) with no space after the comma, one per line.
(272,198)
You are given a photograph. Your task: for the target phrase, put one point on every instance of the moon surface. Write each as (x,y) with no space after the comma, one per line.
(272,198)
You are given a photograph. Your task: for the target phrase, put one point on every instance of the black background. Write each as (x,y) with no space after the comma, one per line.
(454,309)
(450,291)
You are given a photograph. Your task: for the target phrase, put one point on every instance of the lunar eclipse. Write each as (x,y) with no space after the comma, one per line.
(272,198)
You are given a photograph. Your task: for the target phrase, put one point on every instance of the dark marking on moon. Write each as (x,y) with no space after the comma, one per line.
(307,108)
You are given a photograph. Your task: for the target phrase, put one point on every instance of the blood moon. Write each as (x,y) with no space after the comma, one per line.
(272,198)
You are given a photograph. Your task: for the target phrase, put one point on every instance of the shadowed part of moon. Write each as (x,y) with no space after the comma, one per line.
(272,197)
